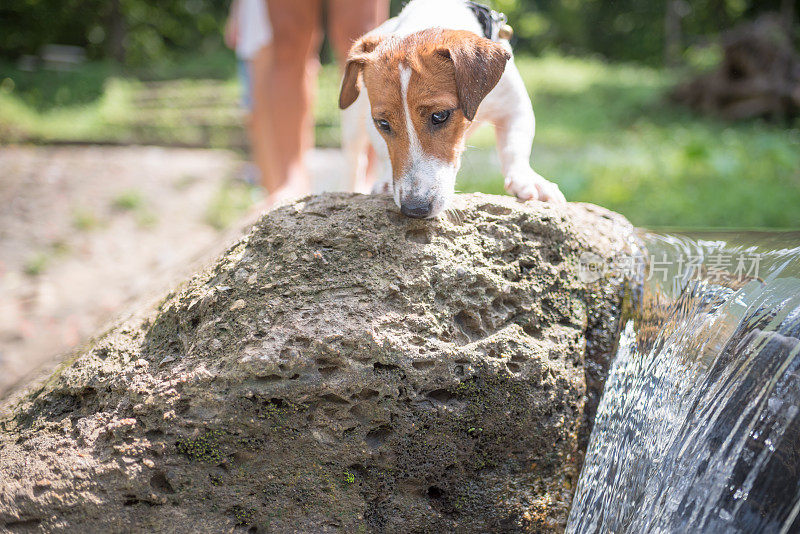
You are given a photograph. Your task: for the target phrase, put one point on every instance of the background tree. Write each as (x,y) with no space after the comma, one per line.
(139,31)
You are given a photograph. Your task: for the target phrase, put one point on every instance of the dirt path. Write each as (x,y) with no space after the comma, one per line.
(86,233)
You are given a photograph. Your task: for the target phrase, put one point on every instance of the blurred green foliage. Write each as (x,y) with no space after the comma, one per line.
(43,89)
(604,133)
(97,103)
(47,89)
(604,130)
(145,31)
(628,30)
(230,202)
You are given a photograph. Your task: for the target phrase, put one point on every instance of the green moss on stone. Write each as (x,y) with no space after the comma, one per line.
(242,516)
(204,448)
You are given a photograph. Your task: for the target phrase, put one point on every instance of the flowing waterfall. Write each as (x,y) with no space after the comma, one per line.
(698,429)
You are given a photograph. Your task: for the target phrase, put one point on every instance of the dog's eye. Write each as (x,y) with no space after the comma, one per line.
(440,117)
(383,124)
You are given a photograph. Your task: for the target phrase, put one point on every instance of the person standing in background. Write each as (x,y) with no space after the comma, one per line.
(249,33)
(283,82)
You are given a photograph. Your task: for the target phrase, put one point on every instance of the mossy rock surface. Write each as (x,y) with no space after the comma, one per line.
(342,368)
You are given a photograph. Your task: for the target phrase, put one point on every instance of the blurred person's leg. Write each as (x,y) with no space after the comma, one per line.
(248,31)
(259,126)
(347,21)
(289,94)
(350,19)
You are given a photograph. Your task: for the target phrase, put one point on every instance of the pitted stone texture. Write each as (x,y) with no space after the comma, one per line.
(341,369)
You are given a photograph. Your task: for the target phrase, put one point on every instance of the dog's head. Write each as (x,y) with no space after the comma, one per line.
(424,90)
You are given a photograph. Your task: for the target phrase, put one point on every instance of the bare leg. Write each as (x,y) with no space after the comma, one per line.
(261,132)
(350,19)
(347,21)
(289,95)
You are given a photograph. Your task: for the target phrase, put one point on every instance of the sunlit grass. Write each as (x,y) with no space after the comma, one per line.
(128,200)
(605,133)
(84,219)
(184,112)
(230,202)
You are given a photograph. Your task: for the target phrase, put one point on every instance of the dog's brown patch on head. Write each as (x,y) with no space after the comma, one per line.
(478,63)
(356,59)
(449,71)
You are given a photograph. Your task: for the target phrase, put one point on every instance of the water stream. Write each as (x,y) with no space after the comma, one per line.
(698,429)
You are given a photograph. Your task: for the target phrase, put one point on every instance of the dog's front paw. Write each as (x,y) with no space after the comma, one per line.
(527,184)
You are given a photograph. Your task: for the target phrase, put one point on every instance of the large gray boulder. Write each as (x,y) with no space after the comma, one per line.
(340,369)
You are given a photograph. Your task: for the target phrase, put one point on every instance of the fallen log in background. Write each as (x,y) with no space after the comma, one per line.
(759,76)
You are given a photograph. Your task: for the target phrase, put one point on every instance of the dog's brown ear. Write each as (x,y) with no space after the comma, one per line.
(356,60)
(479,63)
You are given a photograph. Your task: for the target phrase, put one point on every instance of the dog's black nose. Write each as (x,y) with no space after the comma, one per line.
(417,209)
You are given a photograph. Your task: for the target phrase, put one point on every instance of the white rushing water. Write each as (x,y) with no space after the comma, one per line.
(698,429)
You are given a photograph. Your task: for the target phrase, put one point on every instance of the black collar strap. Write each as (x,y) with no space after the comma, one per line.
(491,21)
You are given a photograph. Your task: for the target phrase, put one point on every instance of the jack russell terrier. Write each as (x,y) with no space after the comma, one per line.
(417,85)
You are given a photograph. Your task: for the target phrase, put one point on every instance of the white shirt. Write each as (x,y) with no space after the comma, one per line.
(255,30)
